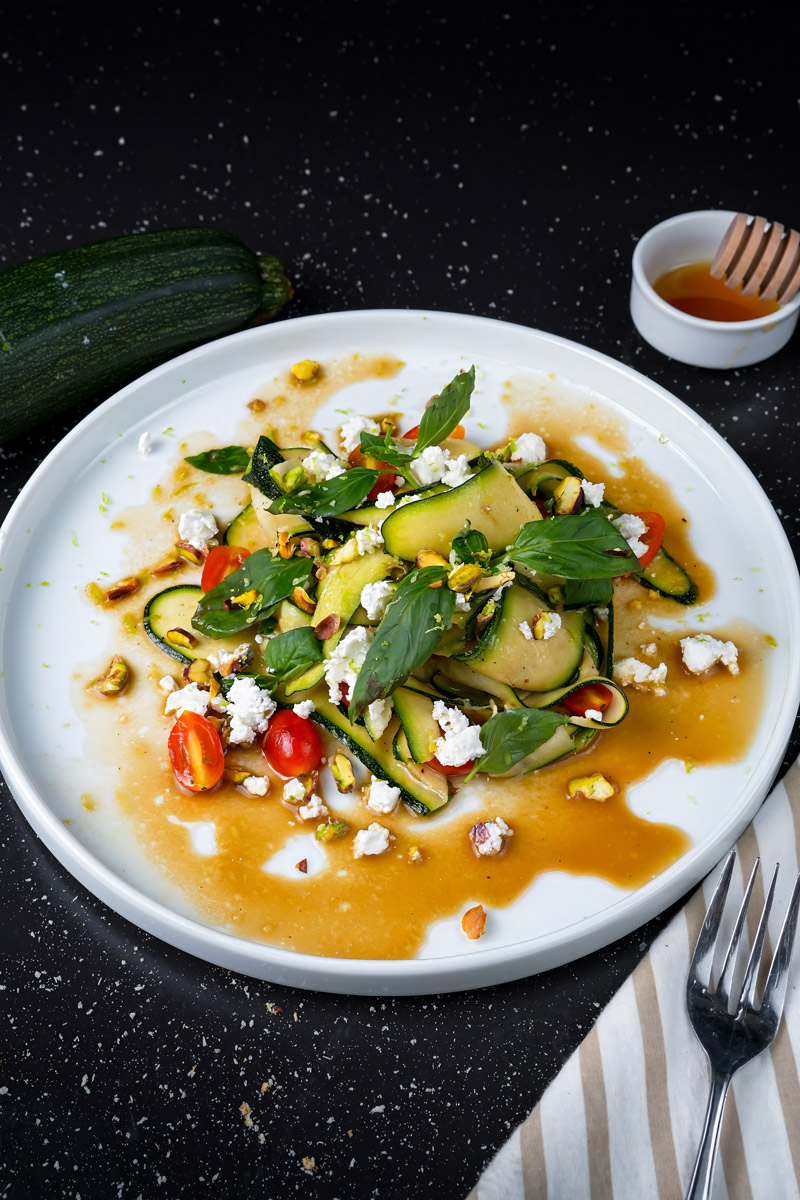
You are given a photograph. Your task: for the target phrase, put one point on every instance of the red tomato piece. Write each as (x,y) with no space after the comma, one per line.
(592,695)
(196,753)
(385,483)
(653,535)
(292,745)
(462,770)
(222,561)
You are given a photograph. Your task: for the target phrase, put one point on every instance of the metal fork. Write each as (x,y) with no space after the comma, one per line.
(734,1030)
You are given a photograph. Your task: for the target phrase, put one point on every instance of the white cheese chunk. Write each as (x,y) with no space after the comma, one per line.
(383,798)
(374,840)
(351,431)
(632,527)
(461,741)
(380,714)
(630,672)
(526,631)
(551,622)
(592,493)
(528,448)
(385,499)
(429,466)
(249,708)
(593,714)
(456,471)
(488,837)
(320,466)
(145,444)
(702,652)
(346,661)
(187,699)
(256,785)
(197,527)
(368,539)
(304,708)
(167,683)
(293,791)
(313,810)
(375,597)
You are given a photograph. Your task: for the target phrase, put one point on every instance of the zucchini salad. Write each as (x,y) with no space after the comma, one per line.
(392,623)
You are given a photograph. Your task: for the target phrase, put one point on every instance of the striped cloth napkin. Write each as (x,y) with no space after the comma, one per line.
(623,1117)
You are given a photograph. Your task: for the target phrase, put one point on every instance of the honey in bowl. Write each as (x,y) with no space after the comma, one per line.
(692,289)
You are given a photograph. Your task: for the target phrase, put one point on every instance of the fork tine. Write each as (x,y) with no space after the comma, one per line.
(726,977)
(775,988)
(748,993)
(704,950)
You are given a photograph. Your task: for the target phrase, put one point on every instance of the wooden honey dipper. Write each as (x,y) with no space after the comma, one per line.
(761,256)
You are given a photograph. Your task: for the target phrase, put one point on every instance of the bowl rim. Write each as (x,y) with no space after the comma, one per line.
(686,319)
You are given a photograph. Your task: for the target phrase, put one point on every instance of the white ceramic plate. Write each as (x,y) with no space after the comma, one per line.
(560,917)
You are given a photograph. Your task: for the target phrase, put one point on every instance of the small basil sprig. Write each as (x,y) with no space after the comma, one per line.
(510,736)
(265,682)
(384,449)
(226,460)
(272,579)
(445,411)
(331,496)
(575,547)
(292,652)
(415,622)
(471,546)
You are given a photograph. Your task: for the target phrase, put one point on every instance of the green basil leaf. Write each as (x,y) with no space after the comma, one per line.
(330,497)
(384,450)
(471,546)
(226,460)
(576,547)
(580,592)
(445,411)
(290,653)
(273,579)
(415,621)
(509,736)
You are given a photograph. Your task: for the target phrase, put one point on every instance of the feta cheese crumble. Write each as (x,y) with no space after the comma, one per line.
(256,785)
(526,631)
(374,840)
(249,708)
(187,699)
(630,672)
(379,714)
(197,527)
(383,798)
(702,652)
(592,493)
(375,598)
(346,661)
(528,448)
(488,837)
(293,791)
(223,660)
(462,603)
(320,466)
(593,714)
(551,623)
(351,431)
(429,466)
(313,810)
(368,539)
(632,527)
(167,683)
(304,708)
(145,444)
(384,499)
(461,741)
(456,470)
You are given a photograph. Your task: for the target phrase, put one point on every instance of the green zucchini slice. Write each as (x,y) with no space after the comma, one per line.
(544,478)
(668,577)
(564,741)
(460,679)
(421,788)
(416,716)
(173,609)
(504,654)
(616,712)
(247,531)
(491,501)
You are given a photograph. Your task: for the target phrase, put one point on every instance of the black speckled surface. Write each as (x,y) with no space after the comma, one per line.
(489,164)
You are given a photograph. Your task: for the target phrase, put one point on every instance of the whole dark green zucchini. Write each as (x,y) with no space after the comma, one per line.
(81,322)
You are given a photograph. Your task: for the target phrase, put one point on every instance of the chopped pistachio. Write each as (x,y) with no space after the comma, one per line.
(342,772)
(592,787)
(305,371)
(180,637)
(328,830)
(114,681)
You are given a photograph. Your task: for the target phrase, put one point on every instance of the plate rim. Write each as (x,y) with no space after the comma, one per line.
(476,967)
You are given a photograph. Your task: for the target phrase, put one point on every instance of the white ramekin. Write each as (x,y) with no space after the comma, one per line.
(695,237)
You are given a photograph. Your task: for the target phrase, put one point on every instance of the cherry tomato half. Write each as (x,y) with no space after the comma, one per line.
(292,746)
(196,753)
(591,696)
(462,770)
(221,562)
(653,535)
(385,483)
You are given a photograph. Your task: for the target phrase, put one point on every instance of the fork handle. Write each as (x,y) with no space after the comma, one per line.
(703,1174)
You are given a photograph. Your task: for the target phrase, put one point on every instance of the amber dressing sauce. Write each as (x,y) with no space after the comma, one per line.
(699,721)
(693,290)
